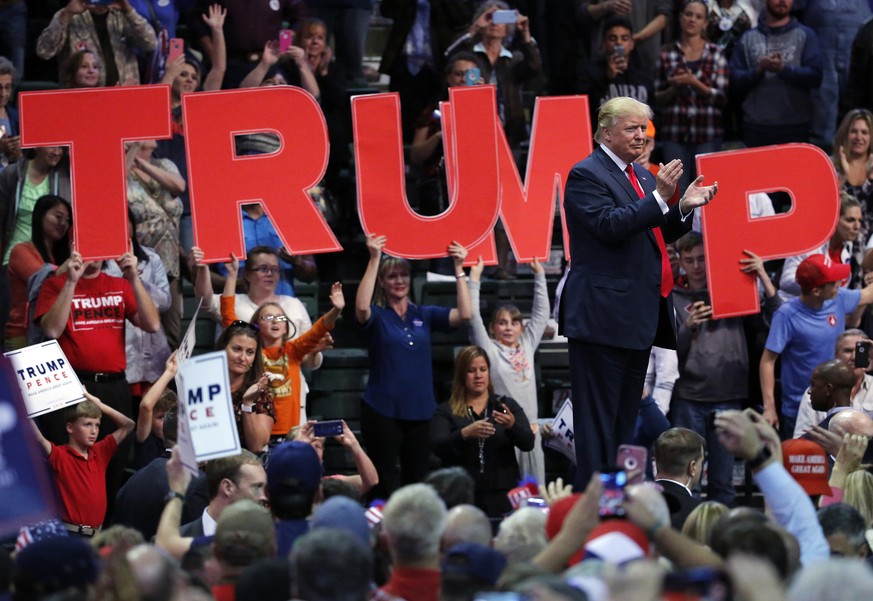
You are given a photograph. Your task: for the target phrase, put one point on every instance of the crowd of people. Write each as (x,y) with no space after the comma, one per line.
(450,496)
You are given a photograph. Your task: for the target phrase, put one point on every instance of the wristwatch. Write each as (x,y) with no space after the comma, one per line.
(246,408)
(763,455)
(174,495)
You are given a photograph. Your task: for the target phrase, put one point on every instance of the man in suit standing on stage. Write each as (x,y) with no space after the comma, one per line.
(616,298)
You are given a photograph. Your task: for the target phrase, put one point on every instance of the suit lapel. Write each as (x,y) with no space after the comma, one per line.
(619,176)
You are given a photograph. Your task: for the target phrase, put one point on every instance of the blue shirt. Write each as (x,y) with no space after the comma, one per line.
(401,371)
(260,232)
(805,338)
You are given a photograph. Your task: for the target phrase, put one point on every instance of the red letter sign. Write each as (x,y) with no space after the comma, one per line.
(728,228)
(382,203)
(220,181)
(95,123)
(560,137)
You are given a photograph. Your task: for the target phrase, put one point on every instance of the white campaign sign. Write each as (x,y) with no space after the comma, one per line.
(45,377)
(186,347)
(562,438)
(209,428)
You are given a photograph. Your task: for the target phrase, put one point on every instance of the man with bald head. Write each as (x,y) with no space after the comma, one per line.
(466,524)
(830,388)
(862,389)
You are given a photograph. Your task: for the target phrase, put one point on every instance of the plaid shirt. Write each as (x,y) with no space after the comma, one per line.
(692,118)
(126,30)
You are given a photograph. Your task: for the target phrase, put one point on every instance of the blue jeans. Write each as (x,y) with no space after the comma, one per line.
(694,415)
(349,27)
(687,153)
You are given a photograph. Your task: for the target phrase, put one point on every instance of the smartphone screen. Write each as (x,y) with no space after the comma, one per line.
(613,493)
(507,17)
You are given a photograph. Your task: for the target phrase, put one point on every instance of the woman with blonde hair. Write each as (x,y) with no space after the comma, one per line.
(698,525)
(399,400)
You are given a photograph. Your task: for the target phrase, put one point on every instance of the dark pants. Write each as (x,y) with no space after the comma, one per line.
(694,415)
(607,387)
(388,439)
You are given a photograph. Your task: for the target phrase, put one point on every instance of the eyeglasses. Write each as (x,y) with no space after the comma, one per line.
(265,269)
(279,318)
(239,323)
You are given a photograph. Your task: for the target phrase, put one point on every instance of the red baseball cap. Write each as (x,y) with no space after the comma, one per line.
(807,462)
(818,270)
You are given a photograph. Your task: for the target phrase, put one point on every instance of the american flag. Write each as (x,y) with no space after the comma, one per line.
(39,531)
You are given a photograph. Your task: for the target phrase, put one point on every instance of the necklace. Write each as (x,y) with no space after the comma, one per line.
(472,415)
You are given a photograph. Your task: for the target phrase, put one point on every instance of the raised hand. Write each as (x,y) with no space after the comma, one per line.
(458,253)
(477,269)
(375,244)
(668,177)
(337,299)
(215,16)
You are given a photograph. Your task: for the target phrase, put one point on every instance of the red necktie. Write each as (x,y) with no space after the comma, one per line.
(666,268)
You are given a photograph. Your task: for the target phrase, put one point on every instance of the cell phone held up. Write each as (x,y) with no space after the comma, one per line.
(286,38)
(471,77)
(328,428)
(504,17)
(612,497)
(177,49)
(618,50)
(862,354)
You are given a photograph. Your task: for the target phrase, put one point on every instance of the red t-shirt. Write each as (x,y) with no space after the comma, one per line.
(82,482)
(94,337)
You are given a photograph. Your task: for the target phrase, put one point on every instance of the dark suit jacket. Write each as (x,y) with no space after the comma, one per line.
(193,529)
(140,502)
(679,502)
(612,295)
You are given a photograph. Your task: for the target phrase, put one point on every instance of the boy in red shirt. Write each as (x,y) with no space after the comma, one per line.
(80,465)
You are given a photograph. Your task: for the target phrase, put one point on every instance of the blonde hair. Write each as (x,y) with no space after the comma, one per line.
(858,492)
(388,263)
(84,409)
(616,108)
(698,525)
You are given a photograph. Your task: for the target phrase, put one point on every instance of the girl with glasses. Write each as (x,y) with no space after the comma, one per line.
(281,353)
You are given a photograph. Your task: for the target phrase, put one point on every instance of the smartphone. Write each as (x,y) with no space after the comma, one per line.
(471,77)
(536,503)
(437,114)
(618,50)
(286,38)
(612,497)
(501,17)
(101,2)
(862,354)
(328,428)
(632,458)
(177,49)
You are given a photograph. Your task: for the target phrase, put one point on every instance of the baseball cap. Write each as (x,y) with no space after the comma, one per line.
(617,541)
(293,468)
(807,462)
(818,270)
(55,564)
(342,513)
(244,533)
(475,561)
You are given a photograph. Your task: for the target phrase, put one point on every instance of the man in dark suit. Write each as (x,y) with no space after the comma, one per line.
(679,465)
(616,298)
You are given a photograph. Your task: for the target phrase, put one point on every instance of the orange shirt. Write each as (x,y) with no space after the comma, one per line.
(283,361)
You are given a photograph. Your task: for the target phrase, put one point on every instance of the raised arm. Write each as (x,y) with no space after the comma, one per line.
(146,317)
(367,475)
(363,298)
(53,37)
(124,424)
(44,444)
(147,404)
(257,426)
(54,321)
(169,181)
(269,57)
(307,77)
(478,332)
(338,303)
(218,53)
(464,311)
(202,279)
(168,537)
(540,312)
